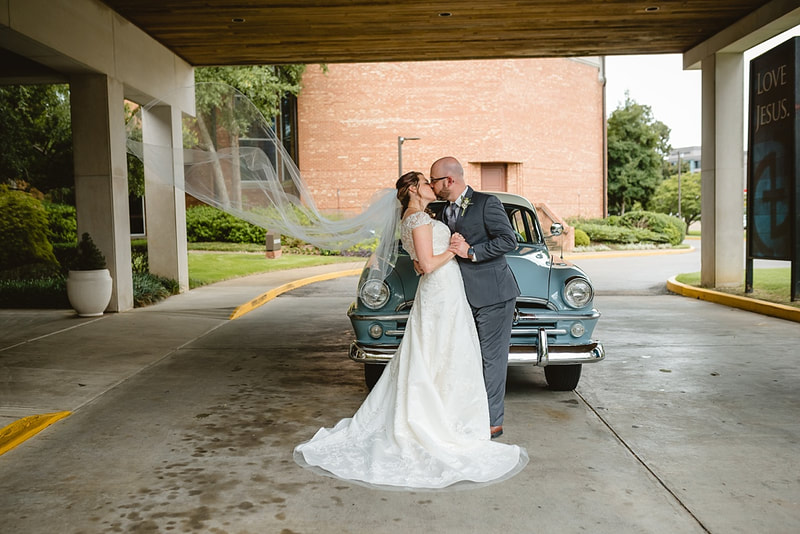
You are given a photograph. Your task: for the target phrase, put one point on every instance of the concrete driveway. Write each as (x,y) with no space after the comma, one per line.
(184,421)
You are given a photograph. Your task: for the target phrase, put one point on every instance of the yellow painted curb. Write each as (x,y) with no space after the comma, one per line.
(269,295)
(754,305)
(25,428)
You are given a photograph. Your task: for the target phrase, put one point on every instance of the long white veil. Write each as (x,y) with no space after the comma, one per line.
(234,161)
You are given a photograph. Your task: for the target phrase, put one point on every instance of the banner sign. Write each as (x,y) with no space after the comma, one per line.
(773,227)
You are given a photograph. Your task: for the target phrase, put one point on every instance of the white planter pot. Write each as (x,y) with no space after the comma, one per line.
(89,292)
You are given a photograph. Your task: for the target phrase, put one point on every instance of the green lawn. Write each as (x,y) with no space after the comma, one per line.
(772,285)
(209,267)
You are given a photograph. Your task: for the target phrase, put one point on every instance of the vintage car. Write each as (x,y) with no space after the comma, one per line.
(553,319)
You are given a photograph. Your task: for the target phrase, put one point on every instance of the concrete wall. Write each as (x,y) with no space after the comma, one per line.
(543,117)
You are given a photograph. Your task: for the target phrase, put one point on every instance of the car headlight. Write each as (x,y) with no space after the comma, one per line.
(374,294)
(578,292)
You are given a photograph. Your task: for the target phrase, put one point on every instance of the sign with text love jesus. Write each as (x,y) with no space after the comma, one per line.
(773,195)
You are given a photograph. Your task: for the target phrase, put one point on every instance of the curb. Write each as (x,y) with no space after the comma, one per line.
(754,305)
(262,299)
(25,428)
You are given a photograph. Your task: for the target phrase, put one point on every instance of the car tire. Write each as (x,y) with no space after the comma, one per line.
(372,373)
(562,377)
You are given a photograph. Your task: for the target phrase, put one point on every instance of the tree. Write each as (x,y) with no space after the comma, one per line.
(637,146)
(264,85)
(665,198)
(36,136)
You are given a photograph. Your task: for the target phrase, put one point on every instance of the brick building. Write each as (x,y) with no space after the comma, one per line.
(529,126)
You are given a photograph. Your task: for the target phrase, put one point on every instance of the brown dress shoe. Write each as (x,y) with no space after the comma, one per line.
(496,431)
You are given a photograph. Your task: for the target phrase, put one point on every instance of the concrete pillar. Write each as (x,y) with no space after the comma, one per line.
(165,205)
(722,252)
(101,176)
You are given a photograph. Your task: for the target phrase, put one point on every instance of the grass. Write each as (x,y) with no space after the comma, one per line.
(210,267)
(771,285)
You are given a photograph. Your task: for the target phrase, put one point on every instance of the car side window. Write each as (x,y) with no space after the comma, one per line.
(522,221)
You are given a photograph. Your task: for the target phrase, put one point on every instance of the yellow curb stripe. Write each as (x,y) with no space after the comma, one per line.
(763,307)
(25,428)
(271,294)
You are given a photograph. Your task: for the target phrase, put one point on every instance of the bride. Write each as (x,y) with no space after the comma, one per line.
(425,424)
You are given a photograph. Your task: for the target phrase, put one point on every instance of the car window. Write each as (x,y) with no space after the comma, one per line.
(523,223)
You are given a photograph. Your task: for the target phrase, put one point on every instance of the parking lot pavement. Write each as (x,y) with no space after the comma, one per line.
(687,426)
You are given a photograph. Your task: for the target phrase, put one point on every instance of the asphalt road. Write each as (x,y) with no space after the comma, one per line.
(690,425)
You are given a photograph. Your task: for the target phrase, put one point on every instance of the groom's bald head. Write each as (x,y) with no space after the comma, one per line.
(453,173)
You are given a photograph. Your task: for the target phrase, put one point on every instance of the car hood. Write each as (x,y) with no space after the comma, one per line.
(531,268)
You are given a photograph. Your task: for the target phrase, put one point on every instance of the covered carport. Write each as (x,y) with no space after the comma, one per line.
(146,49)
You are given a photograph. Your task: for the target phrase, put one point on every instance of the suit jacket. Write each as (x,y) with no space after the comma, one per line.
(485,226)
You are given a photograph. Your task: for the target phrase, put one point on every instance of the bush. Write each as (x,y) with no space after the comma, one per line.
(205,223)
(139,259)
(621,234)
(88,257)
(24,227)
(149,288)
(581,238)
(62,223)
(672,227)
(50,292)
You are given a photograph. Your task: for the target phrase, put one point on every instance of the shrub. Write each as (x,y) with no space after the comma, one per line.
(206,223)
(50,292)
(672,227)
(139,259)
(24,227)
(621,234)
(581,238)
(62,223)
(149,288)
(88,257)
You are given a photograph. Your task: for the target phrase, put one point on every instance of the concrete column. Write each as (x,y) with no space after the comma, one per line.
(165,205)
(101,176)
(722,253)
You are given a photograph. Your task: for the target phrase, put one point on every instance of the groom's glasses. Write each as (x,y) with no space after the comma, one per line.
(434,180)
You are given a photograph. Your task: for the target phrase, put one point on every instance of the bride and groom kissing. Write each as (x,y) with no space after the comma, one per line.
(430,420)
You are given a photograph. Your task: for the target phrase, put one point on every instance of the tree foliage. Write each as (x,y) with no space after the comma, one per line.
(265,85)
(665,198)
(36,136)
(23,225)
(637,146)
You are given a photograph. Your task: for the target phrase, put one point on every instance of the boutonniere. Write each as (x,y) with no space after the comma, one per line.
(465,202)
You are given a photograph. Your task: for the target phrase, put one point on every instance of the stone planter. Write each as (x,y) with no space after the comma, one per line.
(89,292)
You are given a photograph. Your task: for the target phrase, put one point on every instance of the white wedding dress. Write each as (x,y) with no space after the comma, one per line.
(425,425)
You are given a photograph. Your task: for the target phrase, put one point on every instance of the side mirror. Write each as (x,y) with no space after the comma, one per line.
(556,229)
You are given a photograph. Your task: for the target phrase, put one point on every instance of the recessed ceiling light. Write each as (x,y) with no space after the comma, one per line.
(652,9)
(237,20)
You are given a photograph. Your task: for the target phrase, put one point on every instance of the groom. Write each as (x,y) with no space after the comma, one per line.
(489,283)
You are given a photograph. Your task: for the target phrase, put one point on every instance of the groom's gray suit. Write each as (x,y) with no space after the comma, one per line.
(490,287)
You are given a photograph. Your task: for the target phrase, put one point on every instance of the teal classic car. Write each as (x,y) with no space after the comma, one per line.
(553,320)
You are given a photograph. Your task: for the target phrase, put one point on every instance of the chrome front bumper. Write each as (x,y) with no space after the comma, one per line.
(541,355)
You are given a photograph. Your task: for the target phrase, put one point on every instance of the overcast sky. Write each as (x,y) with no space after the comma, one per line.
(660,82)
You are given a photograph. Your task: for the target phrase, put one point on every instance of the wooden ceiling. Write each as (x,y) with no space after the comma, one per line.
(241,32)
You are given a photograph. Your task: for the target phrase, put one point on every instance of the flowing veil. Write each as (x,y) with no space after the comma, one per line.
(234,161)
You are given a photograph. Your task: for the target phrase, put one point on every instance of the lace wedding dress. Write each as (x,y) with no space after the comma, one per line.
(425,425)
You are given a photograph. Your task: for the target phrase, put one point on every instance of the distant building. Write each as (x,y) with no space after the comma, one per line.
(534,127)
(688,154)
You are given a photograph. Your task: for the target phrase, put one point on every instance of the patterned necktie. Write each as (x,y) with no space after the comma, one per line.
(452,210)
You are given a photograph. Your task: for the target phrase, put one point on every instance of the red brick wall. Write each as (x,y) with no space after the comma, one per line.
(544,117)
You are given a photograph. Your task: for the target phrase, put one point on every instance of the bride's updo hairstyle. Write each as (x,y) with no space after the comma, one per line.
(408,180)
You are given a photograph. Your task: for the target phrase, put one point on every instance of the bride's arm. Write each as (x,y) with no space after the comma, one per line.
(423,243)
